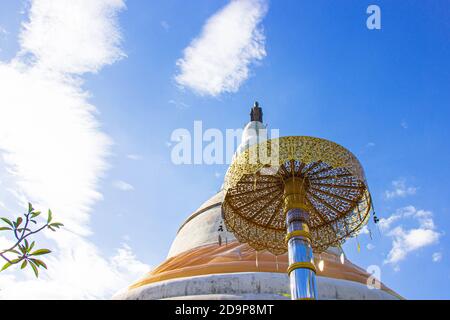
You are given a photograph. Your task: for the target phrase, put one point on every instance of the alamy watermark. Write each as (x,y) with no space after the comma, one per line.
(213,146)
(374,280)
(373,22)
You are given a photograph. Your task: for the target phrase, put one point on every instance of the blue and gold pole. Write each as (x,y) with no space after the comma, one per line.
(301,270)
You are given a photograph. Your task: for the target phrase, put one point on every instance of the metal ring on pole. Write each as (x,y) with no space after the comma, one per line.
(298,233)
(301,265)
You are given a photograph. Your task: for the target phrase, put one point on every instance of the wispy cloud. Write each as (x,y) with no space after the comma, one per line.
(405,241)
(135,157)
(165,25)
(122,185)
(51,144)
(436,257)
(231,40)
(180,105)
(3,31)
(404,124)
(400,190)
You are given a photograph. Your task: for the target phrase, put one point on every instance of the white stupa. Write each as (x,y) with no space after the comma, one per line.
(207,262)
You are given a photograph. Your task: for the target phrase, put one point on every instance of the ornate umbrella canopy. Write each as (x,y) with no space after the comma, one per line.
(336,192)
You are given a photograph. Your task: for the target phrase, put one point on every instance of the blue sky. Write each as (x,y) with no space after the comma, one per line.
(383,94)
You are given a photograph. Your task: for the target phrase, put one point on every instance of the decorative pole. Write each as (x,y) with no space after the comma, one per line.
(301,270)
(315,196)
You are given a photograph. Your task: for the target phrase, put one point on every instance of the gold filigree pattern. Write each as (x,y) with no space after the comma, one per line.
(336,192)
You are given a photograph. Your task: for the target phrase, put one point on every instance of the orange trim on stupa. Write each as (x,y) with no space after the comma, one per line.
(235,257)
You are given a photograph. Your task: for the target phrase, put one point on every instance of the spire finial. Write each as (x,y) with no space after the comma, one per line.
(256,114)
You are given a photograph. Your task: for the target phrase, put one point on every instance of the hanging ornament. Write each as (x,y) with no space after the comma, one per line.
(220,240)
(358,245)
(342,255)
(257,264)
(375,218)
(276,261)
(321,265)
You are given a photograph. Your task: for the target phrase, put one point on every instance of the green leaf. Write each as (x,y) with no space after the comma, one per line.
(31,246)
(40,252)
(22,249)
(30,207)
(24,264)
(18,221)
(49,216)
(39,263)
(35,269)
(6,266)
(7,221)
(56,224)
(35,214)
(26,244)
(5,228)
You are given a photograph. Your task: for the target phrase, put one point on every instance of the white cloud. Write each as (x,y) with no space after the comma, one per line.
(370,246)
(78,273)
(125,261)
(364,230)
(405,241)
(385,223)
(73,36)
(52,149)
(370,145)
(400,190)
(219,59)
(122,185)
(436,257)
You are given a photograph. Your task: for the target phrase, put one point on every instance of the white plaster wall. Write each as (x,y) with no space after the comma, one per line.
(249,285)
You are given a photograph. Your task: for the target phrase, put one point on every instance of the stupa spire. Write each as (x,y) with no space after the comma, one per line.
(256,113)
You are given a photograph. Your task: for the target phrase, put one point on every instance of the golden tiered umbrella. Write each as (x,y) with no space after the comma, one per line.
(296,194)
